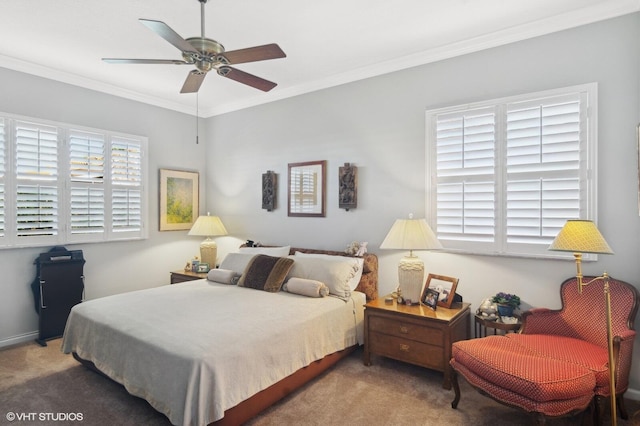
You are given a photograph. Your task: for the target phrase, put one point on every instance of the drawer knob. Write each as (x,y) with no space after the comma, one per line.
(404,348)
(404,329)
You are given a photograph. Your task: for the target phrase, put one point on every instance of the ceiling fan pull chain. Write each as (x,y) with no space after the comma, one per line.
(197,118)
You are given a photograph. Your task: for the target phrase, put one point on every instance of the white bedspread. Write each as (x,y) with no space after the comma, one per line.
(196,349)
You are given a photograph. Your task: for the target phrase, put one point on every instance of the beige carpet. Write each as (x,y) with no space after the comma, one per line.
(46,382)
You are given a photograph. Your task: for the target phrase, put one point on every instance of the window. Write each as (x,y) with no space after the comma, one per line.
(504,175)
(63,184)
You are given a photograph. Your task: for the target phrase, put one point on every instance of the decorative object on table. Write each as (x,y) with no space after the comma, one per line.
(307,190)
(348,186)
(488,309)
(187,267)
(203,267)
(444,286)
(411,234)
(582,236)
(269,190)
(208,226)
(356,248)
(506,303)
(430,297)
(194,264)
(179,198)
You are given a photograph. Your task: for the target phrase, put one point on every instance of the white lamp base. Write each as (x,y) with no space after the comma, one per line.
(411,277)
(209,252)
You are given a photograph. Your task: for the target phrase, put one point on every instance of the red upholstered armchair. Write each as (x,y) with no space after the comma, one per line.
(583,317)
(558,364)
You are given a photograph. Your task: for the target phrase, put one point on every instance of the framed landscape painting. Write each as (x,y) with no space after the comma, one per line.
(179,191)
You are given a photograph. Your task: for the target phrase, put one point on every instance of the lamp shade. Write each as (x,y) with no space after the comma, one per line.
(208,226)
(580,236)
(411,234)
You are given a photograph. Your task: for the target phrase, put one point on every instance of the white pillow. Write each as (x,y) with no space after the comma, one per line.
(355,280)
(269,251)
(236,262)
(304,287)
(222,276)
(333,274)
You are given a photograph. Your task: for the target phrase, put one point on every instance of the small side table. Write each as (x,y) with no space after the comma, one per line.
(182,276)
(496,324)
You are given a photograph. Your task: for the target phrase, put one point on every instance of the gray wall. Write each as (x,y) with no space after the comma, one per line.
(378,124)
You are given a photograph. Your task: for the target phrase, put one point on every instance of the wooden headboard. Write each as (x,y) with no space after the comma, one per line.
(369,280)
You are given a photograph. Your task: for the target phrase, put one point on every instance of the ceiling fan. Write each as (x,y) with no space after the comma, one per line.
(207,54)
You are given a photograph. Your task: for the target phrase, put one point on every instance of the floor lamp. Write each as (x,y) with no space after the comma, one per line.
(411,234)
(582,236)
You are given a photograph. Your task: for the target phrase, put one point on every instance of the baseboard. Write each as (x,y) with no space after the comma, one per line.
(21,338)
(632,394)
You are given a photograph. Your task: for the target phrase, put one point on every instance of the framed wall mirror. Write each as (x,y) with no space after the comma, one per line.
(307,189)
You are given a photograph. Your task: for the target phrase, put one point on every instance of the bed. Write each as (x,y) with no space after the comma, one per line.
(204,352)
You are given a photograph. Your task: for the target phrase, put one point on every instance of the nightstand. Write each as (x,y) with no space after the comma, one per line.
(182,276)
(415,334)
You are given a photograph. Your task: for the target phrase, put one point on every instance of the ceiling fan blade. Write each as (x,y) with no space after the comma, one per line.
(165,31)
(246,78)
(146,61)
(252,54)
(193,82)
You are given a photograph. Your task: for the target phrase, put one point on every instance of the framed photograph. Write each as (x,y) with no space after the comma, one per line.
(179,191)
(430,298)
(203,267)
(307,190)
(444,286)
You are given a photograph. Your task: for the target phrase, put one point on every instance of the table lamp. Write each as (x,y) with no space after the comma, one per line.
(208,226)
(411,234)
(582,236)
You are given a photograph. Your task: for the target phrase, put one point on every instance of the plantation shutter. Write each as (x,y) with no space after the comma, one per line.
(505,175)
(465,167)
(86,170)
(126,175)
(543,167)
(37,177)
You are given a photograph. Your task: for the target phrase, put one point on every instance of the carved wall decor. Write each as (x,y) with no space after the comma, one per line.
(269,190)
(348,186)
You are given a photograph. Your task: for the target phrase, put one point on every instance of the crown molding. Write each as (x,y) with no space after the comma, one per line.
(513,34)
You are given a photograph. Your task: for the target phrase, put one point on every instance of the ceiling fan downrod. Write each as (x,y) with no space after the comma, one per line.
(202,3)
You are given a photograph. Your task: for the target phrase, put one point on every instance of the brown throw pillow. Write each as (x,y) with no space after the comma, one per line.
(266,272)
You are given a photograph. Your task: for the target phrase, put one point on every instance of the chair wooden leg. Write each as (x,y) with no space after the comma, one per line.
(456,388)
(598,406)
(539,419)
(621,407)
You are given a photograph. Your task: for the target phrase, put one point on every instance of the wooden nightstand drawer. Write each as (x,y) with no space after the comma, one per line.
(406,330)
(183,276)
(411,351)
(415,334)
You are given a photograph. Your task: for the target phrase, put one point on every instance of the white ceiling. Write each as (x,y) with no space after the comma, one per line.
(327,42)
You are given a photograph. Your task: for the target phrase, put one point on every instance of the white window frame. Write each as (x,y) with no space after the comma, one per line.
(587,174)
(9,237)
